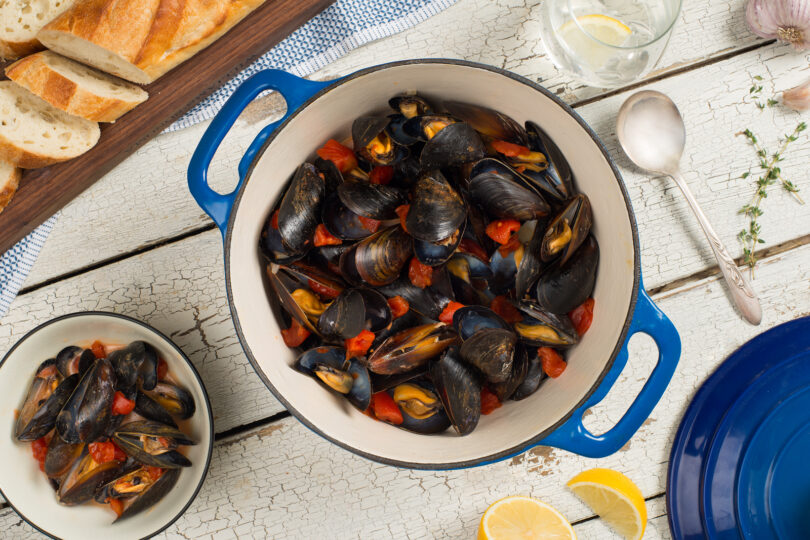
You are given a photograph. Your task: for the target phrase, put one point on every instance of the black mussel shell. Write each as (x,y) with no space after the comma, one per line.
(427,126)
(379,258)
(72,360)
(563,287)
(366,128)
(329,256)
(489,122)
(453,146)
(558,171)
(463,289)
(428,302)
(542,328)
(373,142)
(411,348)
(284,296)
(44,419)
(340,221)
(520,367)
(378,312)
(534,376)
(177,401)
(155,493)
(458,389)
(345,316)
(437,210)
(332,176)
(422,410)
(61,456)
(436,253)
(309,274)
(32,418)
(347,264)
(530,265)
(506,199)
(407,171)
(300,209)
(410,105)
(492,352)
(146,441)
(504,270)
(360,394)
(479,268)
(152,410)
(271,246)
(373,201)
(566,232)
(380,383)
(135,364)
(329,366)
(469,320)
(88,411)
(84,478)
(396,130)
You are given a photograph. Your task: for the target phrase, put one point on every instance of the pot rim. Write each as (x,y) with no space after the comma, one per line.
(532,441)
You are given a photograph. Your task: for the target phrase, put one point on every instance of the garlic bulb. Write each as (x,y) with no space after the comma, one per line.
(797,98)
(785,20)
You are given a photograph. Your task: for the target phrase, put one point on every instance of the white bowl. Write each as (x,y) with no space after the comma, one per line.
(28,490)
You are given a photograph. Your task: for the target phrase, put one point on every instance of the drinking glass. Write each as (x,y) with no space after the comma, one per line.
(607,43)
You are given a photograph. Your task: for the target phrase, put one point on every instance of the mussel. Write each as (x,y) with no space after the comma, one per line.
(558,172)
(84,478)
(564,286)
(488,122)
(135,364)
(153,443)
(175,400)
(410,105)
(379,258)
(491,351)
(345,316)
(437,210)
(45,399)
(566,232)
(411,348)
(458,390)
(520,365)
(72,360)
(373,143)
(504,198)
(454,145)
(370,200)
(139,489)
(299,210)
(330,367)
(542,328)
(422,411)
(531,381)
(469,320)
(87,413)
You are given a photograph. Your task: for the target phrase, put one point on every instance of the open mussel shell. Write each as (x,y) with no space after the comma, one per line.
(340,221)
(84,478)
(464,290)
(567,230)
(309,275)
(542,328)
(505,199)
(491,351)
(46,396)
(530,264)
(345,316)
(454,145)
(153,443)
(558,172)
(469,320)
(300,210)
(379,258)
(175,400)
(135,364)
(369,200)
(563,287)
(458,390)
(411,348)
(422,410)
(271,246)
(504,270)
(396,130)
(378,312)
(87,413)
(410,105)
(436,253)
(534,376)
(152,494)
(330,367)
(489,122)
(72,360)
(425,127)
(373,143)
(520,366)
(332,176)
(281,285)
(60,457)
(428,302)
(152,410)
(437,210)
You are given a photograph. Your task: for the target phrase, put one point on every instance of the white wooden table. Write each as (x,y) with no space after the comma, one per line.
(137,244)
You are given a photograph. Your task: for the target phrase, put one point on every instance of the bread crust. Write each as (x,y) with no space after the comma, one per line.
(11,50)
(160,34)
(34,74)
(9,188)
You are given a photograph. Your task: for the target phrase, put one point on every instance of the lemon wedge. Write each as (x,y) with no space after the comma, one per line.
(615,498)
(583,37)
(524,518)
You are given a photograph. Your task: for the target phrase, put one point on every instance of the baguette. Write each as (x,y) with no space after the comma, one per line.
(140,40)
(20,20)
(35,134)
(75,88)
(9,181)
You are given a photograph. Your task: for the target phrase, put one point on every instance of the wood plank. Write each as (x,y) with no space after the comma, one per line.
(283,480)
(45,191)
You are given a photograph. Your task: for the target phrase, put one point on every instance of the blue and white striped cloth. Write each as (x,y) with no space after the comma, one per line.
(345,25)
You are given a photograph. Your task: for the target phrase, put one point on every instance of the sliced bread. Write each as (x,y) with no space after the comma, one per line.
(140,40)
(35,134)
(75,88)
(20,20)
(9,181)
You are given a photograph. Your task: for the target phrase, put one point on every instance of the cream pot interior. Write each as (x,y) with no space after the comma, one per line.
(28,489)
(516,424)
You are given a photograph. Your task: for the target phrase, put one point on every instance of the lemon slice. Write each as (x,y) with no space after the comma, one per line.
(586,45)
(524,518)
(615,498)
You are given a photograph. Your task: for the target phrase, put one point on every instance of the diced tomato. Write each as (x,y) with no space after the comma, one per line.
(102,452)
(381,175)
(342,156)
(473,248)
(154,472)
(385,408)
(501,230)
(509,149)
(98,349)
(359,344)
(551,362)
(324,238)
(505,309)
(402,212)
(399,306)
(121,405)
(40,448)
(322,290)
(421,275)
(117,506)
(489,401)
(582,316)
(162,369)
(446,316)
(274,220)
(118,454)
(295,335)
(510,246)
(369,224)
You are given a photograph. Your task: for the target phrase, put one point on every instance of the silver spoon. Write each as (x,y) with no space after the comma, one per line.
(652,134)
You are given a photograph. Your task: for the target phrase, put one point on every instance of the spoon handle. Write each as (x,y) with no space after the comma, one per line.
(741,291)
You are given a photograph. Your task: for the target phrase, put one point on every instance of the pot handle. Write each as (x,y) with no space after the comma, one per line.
(574,437)
(295,91)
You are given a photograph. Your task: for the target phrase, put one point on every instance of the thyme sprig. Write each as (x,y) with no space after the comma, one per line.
(771,173)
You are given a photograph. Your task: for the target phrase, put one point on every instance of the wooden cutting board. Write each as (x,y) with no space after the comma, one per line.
(45,191)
